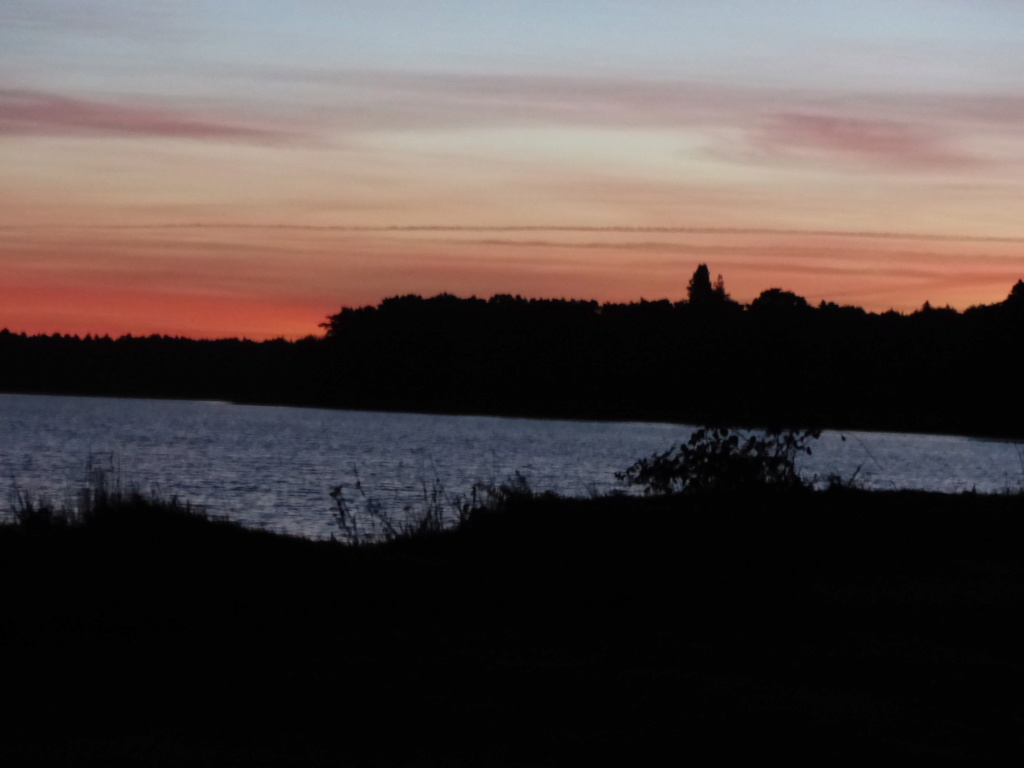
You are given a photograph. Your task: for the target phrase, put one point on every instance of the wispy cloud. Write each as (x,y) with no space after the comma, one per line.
(38,113)
(401,100)
(907,131)
(889,143)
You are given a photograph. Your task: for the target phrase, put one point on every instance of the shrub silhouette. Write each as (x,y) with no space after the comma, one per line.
(715,459)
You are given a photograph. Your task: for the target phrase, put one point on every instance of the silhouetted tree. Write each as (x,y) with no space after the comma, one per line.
(1016,297)
(702,293)
(718,292)
(776,299)
(699,289)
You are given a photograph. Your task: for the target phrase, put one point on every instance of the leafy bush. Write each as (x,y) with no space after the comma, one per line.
(715,459)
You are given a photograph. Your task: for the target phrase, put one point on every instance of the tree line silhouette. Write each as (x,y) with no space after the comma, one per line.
(778,361)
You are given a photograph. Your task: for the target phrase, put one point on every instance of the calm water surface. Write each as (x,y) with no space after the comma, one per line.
(275,467)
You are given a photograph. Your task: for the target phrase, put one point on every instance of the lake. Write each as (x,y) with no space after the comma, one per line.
(275,467)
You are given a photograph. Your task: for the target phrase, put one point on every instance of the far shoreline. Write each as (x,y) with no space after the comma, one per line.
(526,416)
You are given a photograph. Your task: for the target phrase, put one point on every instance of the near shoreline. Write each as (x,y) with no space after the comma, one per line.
(543,631)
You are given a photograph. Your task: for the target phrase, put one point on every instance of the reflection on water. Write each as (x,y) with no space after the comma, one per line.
(275,467)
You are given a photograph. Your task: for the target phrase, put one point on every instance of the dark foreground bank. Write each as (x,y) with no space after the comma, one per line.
(610,631)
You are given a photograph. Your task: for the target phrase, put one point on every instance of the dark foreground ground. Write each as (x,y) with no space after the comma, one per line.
(809,626)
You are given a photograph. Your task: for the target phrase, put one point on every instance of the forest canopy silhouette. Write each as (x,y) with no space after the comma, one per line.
(777,361)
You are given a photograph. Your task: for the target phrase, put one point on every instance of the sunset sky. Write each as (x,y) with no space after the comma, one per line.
(246,168)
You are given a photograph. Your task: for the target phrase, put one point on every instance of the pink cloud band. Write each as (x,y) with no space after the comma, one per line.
(36,113)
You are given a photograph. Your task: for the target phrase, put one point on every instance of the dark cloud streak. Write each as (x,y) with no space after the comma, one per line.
(447,228)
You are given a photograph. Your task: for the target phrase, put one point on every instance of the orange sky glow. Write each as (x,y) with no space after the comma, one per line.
(204,171)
